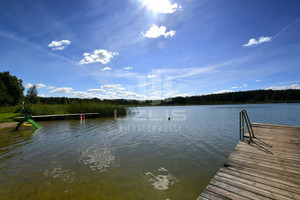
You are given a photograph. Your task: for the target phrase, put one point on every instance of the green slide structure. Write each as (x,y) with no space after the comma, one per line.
(27,118)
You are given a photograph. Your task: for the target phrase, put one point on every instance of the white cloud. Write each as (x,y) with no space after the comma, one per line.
(50,87)
(59,45)
(187,72)
(143,84)
(128,68)
(99,55)
(223,91)
(161,6)
(295,87)
(126,94)
(155,32)
(152,76)
(40,85)
(112,86)
(28,85)
(168,84)
(260,40)
(96,90)
(42,95)
(106,69)
(235,87)
(175,93)
(85,95)
(62,90)
(258,80)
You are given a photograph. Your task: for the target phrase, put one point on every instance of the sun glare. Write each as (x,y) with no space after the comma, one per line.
(161,6)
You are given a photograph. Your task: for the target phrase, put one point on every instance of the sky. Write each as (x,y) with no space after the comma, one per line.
(150,49)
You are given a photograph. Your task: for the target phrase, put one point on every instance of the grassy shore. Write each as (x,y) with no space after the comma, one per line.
(8,117)
(8,113)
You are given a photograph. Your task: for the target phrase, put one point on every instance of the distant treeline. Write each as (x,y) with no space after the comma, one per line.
(11,94)
(65,100)
(254,96)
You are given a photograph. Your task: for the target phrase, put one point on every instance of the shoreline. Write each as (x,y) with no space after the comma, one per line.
(8,125)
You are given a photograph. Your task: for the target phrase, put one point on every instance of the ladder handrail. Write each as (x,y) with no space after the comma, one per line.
(245,118)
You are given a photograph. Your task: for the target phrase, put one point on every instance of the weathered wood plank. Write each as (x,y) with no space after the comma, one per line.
(275,159)
(210,195)
(240,192)
(223,192)
(247,186)
(274,182)
(264,163)
(291,181)
(257,186)
(264,166)
(268,168)
(284,156)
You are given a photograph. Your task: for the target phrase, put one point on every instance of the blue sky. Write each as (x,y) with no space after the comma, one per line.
(143,49)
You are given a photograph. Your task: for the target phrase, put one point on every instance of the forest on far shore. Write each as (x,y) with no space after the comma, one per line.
(11,90)
(253,96)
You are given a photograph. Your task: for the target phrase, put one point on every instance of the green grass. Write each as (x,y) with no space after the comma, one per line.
(8,109)
(8,117)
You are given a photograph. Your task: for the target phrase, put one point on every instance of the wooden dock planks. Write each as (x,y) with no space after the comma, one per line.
(268,168)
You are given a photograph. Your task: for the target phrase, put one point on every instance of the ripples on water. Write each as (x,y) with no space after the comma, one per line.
(144,156)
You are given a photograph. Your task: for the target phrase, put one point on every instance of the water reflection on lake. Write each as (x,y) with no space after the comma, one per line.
(142,156)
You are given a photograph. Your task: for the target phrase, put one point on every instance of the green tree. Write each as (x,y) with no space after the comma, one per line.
(276,96)
(32,95)
(11,89)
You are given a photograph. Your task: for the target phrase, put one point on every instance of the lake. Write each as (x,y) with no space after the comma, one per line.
(141,156)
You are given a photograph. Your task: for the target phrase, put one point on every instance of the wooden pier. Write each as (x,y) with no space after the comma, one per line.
(267,168)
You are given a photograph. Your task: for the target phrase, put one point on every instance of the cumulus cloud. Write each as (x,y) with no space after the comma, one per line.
(28,85)
(223,91)
(126,94)
(50,87)
(96,90)
(106,69)
(112,86)
(161,6)
(86,95)
(99,55)
(40,85)
(260,40)
(128,68)
(151,76)
(294,87)
(156,31)
(59,45)
(235,87)
(175,93)
(62,90)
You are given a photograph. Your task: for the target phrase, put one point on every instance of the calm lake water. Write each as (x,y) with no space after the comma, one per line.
(142,156)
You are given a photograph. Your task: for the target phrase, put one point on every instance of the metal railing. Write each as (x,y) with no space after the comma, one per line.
(245,119)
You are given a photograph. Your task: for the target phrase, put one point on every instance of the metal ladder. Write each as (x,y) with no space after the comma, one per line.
(245,119)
